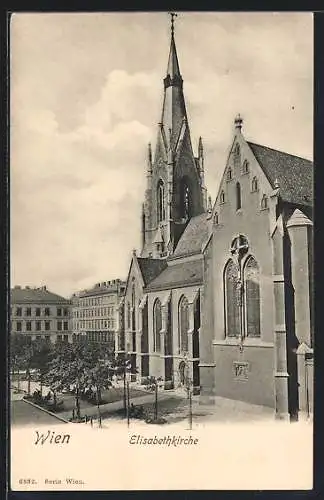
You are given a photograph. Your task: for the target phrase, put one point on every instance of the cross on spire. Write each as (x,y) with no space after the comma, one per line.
(173,15)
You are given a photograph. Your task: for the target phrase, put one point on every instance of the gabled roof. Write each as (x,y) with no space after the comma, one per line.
(35,296)
(182,274)
(194,236)
(150,268)
(294,174)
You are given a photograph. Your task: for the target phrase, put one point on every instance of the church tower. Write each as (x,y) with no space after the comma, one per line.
(175,189)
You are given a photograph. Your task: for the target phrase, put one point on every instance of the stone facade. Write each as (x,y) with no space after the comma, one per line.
(40,314)
(264,367)
(220,297)
(95,312)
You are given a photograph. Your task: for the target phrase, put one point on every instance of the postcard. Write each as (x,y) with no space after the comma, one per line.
(161,199)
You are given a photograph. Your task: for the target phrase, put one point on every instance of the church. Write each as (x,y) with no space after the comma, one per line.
(221,297)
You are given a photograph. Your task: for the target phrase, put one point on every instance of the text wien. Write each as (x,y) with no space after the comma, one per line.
(51,437)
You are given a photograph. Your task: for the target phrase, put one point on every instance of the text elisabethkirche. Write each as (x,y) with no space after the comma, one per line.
(166,440)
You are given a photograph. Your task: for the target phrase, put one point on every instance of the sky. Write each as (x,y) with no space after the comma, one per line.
(86,98)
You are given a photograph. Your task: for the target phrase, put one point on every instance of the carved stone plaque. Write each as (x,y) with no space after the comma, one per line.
(241,370)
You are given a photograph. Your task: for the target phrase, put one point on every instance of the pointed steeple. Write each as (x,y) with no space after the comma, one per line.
(174,167)
(174,109)
(173,70)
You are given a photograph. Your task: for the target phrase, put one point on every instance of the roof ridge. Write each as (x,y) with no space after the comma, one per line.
(279,151)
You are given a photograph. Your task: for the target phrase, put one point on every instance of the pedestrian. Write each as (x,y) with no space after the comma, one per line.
(73,414)
(86,419)
(91,421)
(99,420)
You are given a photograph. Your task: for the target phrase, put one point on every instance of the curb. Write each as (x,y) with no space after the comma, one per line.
(46,411)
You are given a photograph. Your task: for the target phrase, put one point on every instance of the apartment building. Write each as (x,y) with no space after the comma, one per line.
(40,314)
(94,312)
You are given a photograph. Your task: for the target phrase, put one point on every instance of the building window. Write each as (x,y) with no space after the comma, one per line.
(59,311)
(38,325)
(128,315)
(232,312)
(254,186)
(252,297)
(216,220)
(59,338)
(229,174)
(47,338)
(183,324)
(246,167)
(65,311)
(47,311)
(160,201)
(237,156)
(28,311)
(47,325)
(18,324)
(264,202)
(28,326)
(66,338)
(222,197)
(19,311)
(238,196)
(59,325)
(157,322)
(38,311)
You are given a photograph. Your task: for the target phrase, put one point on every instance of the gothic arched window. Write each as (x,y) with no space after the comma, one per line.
(183,324)
(157,325)
(264,202)
(133,307)
(222,197)
(254,184)
(252,297)
(216,218)
(128,312)
(245,167)
(160,201)
(237,156)
(238,196)
(229,174)
(232,312)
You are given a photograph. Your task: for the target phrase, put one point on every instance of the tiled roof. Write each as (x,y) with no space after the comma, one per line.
(150,268)
(184,273)
(35,296)
(194,236)
(294,174)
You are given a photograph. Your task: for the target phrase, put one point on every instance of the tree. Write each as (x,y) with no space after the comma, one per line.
(153,385)
(81,366)
(99,377)
(122,365)
(39,356)
(18,345)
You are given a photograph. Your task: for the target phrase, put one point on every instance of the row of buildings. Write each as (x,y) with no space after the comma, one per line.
(219,296)
(41,314)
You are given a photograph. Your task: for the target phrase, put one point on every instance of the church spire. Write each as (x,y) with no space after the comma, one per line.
(173,69)
(174,109)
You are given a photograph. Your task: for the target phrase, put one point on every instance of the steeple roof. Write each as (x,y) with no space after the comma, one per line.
(174,108)
(173,69)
